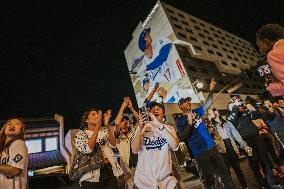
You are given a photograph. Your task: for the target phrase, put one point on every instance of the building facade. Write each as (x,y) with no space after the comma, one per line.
(198,51)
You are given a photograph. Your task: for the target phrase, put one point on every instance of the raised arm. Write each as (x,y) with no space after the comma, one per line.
(129,105)
(209,99)
(119,116)
(107,117)
(154,90)
(139,135)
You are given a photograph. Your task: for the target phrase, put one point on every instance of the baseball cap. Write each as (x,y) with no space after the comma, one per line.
(141,41)
(160,105)
(145,80)
(182,100)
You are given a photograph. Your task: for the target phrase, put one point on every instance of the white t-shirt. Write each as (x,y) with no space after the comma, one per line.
(17,157)
(154,167)
(123,146)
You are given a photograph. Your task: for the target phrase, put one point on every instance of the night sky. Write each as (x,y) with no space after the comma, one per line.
(66,57)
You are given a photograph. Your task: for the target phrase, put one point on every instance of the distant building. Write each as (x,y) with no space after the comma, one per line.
(199,51)
(44,138)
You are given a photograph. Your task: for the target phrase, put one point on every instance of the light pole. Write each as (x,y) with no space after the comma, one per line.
(199,85)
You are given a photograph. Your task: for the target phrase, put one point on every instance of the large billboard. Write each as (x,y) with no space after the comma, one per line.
(152,59)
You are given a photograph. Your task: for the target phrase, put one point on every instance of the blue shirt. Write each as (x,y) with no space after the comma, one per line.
(199,139)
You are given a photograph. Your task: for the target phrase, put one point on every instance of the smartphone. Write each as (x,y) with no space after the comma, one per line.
(144,113)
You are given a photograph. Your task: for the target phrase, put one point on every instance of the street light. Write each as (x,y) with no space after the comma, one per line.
(199,85)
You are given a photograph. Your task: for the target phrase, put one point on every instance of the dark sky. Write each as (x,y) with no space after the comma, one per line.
(67,57)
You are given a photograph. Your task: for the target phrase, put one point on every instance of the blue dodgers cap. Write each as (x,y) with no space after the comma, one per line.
(182,100)
(145,80)
(141,41)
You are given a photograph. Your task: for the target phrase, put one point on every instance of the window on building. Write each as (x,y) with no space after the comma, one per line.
(245,62)
(206,31)
(181,35)
(192,20)
(181,15)
(239,54)
(216,35)
(184,22)
(201,35)
(210,38)
(197,47)
(224,49)
(227,44)
(201,24)
(198,28)
(234,65)
(229,57)
(178,26)
(206,43)
(174,18)
(236,59)
(220,42)
(231,51)
(169,10)
(51,143)
(224,62)
(215,46)
(34,145)
(210,51)
(193,39)
(188,30)
(219,54)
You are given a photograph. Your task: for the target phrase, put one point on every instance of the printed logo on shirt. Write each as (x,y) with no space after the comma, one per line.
(154,144)
(4,160)
(196,120)
(18,158)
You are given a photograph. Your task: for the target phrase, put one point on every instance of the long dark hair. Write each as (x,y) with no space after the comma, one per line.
(21,136)
(85,116)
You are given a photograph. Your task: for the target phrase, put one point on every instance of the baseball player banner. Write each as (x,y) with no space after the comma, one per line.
(152,59)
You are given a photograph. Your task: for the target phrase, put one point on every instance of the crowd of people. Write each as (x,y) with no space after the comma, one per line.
(145,143)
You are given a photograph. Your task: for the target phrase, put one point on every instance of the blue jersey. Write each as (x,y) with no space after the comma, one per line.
(199,139)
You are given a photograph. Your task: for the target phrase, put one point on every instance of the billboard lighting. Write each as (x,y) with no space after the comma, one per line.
(198,83)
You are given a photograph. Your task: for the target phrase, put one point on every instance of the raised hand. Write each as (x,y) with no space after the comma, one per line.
(212,85)
(99,119)
(107,116)
(155,122)
(189,117)
(124,103)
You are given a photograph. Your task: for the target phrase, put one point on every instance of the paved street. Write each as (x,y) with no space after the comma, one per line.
(194,183)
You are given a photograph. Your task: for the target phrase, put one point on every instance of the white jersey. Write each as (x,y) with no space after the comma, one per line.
(15,156)
(154,167)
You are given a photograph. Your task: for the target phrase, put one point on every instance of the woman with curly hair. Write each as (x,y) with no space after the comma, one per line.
(92,137)
(13,155)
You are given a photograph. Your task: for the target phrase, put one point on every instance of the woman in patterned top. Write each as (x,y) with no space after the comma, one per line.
(93,137)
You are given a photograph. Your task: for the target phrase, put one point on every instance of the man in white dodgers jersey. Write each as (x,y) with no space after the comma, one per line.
(152,141)
(13,155)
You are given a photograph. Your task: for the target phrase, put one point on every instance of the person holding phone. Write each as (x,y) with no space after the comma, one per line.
(193,131)
(152,142)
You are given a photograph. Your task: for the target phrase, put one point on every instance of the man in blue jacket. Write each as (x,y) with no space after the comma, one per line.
(193,130)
